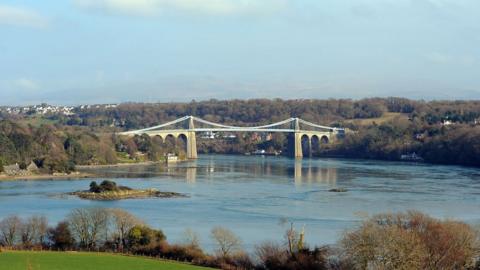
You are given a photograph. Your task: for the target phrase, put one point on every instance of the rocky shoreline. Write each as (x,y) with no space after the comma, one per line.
(126,194)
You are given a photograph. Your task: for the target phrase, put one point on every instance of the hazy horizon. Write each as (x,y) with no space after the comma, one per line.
(112,51)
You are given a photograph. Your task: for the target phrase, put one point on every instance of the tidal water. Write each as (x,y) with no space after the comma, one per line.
(257,197)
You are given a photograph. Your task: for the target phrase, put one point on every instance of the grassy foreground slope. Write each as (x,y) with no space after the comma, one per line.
(20,260)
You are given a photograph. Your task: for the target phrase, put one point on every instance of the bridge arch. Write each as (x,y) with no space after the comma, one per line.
(315,141)
(306,145)
(182,143)
(158,139)
(324,139)
(169,142)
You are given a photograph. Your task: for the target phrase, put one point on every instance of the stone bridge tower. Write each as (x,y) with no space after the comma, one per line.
(297,139)
(191,140)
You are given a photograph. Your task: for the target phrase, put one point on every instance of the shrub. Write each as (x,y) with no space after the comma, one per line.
(184,253)
(61,237)
(273,256)
(411,241)
(141,235)
(22,165)
(107,185)
(94,187)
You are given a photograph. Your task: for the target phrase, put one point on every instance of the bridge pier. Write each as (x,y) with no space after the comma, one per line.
(191,139)
(298,145)
(297,139)
(191,145)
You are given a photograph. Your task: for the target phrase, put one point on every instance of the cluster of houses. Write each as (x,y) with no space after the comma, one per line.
(41,109)
(16,170)
(448,122)
(44,109)
(213,135)
(98,106)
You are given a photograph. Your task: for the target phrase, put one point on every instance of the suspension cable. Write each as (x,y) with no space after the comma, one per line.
(230,127)
(315,125)
(162,125)
(236,127)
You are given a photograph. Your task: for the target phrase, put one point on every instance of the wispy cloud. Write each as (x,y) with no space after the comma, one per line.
(19,16)
(203,7)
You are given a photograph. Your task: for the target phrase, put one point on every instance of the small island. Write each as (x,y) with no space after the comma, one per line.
(110,191)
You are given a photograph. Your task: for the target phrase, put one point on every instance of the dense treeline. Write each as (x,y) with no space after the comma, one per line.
(409,240)
(444,132)
(137,115)
(457,144)
(53,148)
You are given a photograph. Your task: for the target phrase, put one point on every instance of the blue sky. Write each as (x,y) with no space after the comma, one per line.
(102,51)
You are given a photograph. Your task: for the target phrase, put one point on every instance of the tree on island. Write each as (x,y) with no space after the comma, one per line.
(106,186)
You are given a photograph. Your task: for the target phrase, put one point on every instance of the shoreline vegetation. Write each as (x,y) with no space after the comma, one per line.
(79,172)
(121,164)
(405,240)
(110,191)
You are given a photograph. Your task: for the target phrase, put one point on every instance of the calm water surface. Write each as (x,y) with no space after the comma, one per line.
(254,196)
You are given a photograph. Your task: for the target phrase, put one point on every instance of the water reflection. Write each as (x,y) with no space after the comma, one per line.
(191,174)
(301,171)
(306,173)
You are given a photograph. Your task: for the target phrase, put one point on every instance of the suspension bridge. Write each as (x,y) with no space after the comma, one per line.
(187,127)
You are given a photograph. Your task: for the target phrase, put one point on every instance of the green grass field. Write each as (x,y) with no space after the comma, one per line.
(25,260)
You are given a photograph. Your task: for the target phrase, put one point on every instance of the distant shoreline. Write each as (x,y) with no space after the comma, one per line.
(6,178)
(118,165)
(75,175)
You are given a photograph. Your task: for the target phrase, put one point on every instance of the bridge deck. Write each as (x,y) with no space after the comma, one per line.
(223,130)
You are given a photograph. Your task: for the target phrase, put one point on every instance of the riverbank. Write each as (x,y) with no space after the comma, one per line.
(130,164)
(118,165)
(82,171)
(75,175)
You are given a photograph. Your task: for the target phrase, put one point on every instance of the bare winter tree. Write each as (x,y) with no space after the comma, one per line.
(33,230)
(27,232)
(191,238)
(226,241)
(123,222)
(41,223)
(88,225)
(10,229)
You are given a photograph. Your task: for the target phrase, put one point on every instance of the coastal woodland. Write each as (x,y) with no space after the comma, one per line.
(442,132)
